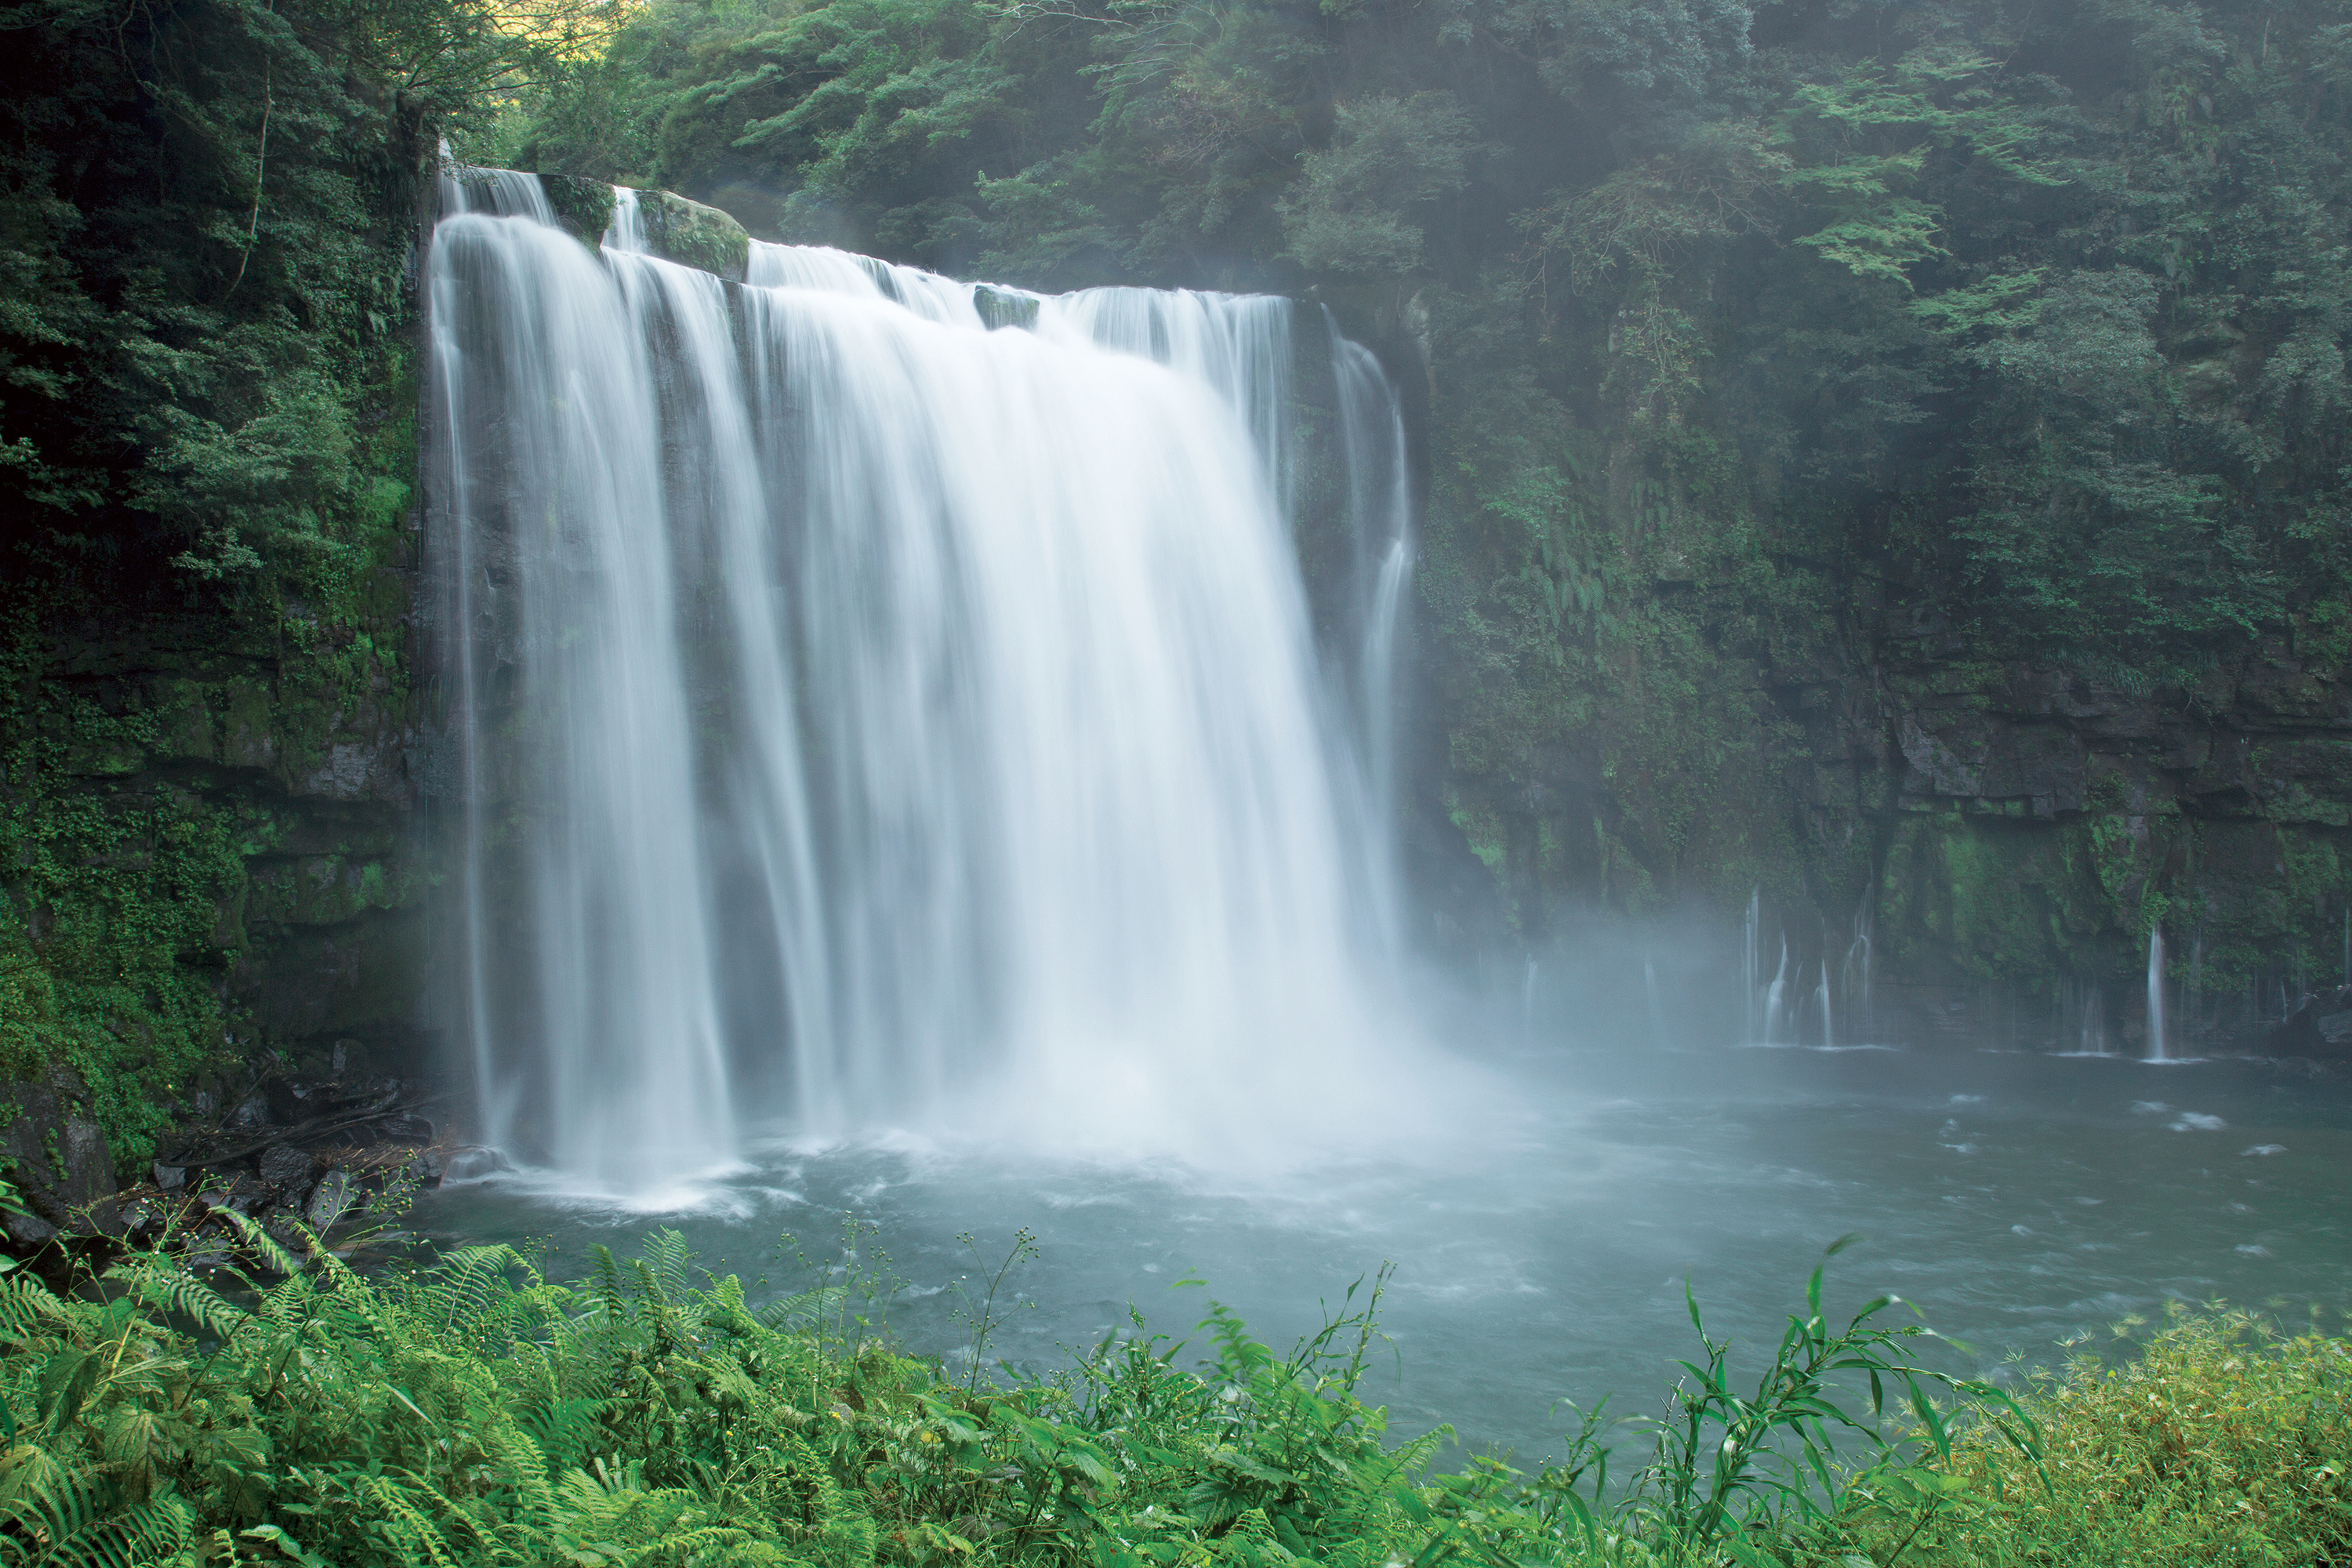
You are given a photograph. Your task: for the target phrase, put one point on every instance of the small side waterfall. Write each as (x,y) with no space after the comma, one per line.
(1751,966)
(861,717)
(1854,976)
(2158,1047)
(2093,1036)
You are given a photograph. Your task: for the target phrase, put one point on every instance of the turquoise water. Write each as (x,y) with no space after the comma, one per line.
(2018,1200)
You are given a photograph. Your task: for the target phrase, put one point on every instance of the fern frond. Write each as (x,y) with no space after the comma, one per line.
(27,1306)
(289,1303)
(264,1244)
(809,1309)
(469,1287)
(160,1282)
(667,1257)
(405,1521)
(607,1288)
(563,1430)
(42,1502)
(125,1540)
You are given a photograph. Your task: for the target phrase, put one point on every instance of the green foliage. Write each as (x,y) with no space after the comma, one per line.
(109,960)
(206,232)
(2220,1441)
(1866,140)
(1388,155)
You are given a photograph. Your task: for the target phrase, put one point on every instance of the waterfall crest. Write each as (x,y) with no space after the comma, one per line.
(864,718)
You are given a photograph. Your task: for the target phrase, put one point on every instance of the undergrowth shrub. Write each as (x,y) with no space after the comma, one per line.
(2221,1442)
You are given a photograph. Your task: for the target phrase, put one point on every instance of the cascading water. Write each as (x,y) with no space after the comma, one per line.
(1751,965)
(2095,1025)
(2158,1047)
(869,718)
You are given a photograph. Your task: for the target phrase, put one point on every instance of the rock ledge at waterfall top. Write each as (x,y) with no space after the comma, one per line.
(692,235)
(675,228)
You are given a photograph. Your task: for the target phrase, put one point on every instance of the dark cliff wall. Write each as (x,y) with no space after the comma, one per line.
(207,528)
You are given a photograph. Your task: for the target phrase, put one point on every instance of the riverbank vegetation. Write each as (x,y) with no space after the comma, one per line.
(475,1412)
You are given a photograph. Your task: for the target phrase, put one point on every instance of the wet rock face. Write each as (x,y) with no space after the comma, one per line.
(582,206)
(314,758)
(298,1159)
(61,1165)
(2321,1028)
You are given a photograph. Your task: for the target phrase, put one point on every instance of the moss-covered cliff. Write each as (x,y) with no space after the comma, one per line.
(208,621)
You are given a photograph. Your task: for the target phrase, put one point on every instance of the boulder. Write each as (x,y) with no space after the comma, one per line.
(297,1245)
(692,235)
(404,1129)
(285,1172)
(471,1161)
(333,1194)
(61,1164)
(1001,307)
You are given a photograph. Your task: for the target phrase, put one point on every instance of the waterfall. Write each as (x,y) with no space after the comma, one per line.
(2157,1051)
(862,717)
(1829,1025)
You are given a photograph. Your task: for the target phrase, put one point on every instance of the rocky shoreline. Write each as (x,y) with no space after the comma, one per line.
(262,1179)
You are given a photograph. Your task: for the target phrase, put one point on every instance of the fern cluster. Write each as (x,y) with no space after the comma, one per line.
(475,1411)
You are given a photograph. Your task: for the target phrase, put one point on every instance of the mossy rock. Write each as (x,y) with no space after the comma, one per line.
(692,235)
(585,207)
(1002,308)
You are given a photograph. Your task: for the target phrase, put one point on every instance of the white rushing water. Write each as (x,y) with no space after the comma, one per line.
(862,719)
